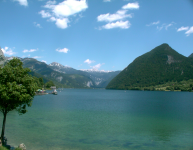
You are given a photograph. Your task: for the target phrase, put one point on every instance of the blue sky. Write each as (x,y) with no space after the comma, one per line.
(94,34)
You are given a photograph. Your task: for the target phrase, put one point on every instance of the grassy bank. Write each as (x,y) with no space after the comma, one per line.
(4,148)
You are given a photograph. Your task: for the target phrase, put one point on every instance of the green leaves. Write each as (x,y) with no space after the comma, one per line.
(17,87)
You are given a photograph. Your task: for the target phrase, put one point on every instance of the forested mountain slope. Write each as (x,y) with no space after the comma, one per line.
(67,80)
(159,66)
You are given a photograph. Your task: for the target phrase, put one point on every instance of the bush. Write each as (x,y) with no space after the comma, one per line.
(3,148)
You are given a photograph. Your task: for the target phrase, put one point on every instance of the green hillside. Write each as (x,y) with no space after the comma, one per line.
(99,78)
(159,66)
(60,79)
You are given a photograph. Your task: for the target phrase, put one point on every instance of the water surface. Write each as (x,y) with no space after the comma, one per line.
(98,119)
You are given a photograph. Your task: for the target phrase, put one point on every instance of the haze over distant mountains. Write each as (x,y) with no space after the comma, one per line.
(99,78)
(65,76)
(160,65)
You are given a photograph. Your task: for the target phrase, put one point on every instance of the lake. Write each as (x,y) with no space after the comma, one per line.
(99,119)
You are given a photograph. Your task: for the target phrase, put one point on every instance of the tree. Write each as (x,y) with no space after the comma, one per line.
(17,89)
(49,84)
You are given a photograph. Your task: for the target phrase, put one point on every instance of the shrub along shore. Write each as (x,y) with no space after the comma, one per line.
(169,86)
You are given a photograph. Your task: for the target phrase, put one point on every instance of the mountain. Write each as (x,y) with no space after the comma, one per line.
(2,58)
(64,69)
(161,65)
(66,76)
(100,78)
(191,56)
(68,80)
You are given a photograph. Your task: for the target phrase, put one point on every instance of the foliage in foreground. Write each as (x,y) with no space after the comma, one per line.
(17,89)
(4,148)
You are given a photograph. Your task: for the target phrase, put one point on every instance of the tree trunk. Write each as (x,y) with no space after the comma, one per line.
(3,128)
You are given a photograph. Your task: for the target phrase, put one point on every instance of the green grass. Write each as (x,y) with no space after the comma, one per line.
(4,148)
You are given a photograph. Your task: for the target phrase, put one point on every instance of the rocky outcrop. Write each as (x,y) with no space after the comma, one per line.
(89,84)
(2,58)
(191,56)
(22,146)
(171,59)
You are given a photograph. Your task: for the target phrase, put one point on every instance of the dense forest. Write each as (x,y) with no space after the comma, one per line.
(159,66)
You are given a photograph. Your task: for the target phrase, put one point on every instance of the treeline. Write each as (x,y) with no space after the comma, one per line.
(40,83)
(169,86)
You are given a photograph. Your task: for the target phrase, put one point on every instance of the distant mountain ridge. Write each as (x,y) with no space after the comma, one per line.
(100,78)
(64,75)
(2,58)
(68,80)
(160,65)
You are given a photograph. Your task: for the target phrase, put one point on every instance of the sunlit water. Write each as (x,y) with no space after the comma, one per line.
(98,119)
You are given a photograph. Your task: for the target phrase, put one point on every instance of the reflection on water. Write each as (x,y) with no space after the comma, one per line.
(105,119)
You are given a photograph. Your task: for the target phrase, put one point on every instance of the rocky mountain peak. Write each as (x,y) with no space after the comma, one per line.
(55,64)
(191,55)
(2,58)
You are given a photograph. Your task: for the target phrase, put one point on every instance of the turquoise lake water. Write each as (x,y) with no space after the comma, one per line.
(99,119)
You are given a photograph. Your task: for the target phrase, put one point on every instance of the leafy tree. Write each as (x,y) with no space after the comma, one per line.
(49,84)
(17,89)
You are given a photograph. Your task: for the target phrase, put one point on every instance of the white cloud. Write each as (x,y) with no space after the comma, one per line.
(50,4)
(60,12)
(190,31)
(44,61)
(37,25)
(160,28)
(119,15)
(131,6)
(36,57)
(62,23)
(97,67)
(22,2)
(69,7)
(6,48)
(88,61)
(45,14)
(29,51)
(153,23)
(106,0)
(52,19)
(182,28)
(167,26)
(118,24)
(64,50)
(8,51)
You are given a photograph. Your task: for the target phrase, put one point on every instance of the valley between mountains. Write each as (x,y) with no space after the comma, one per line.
(162,68)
